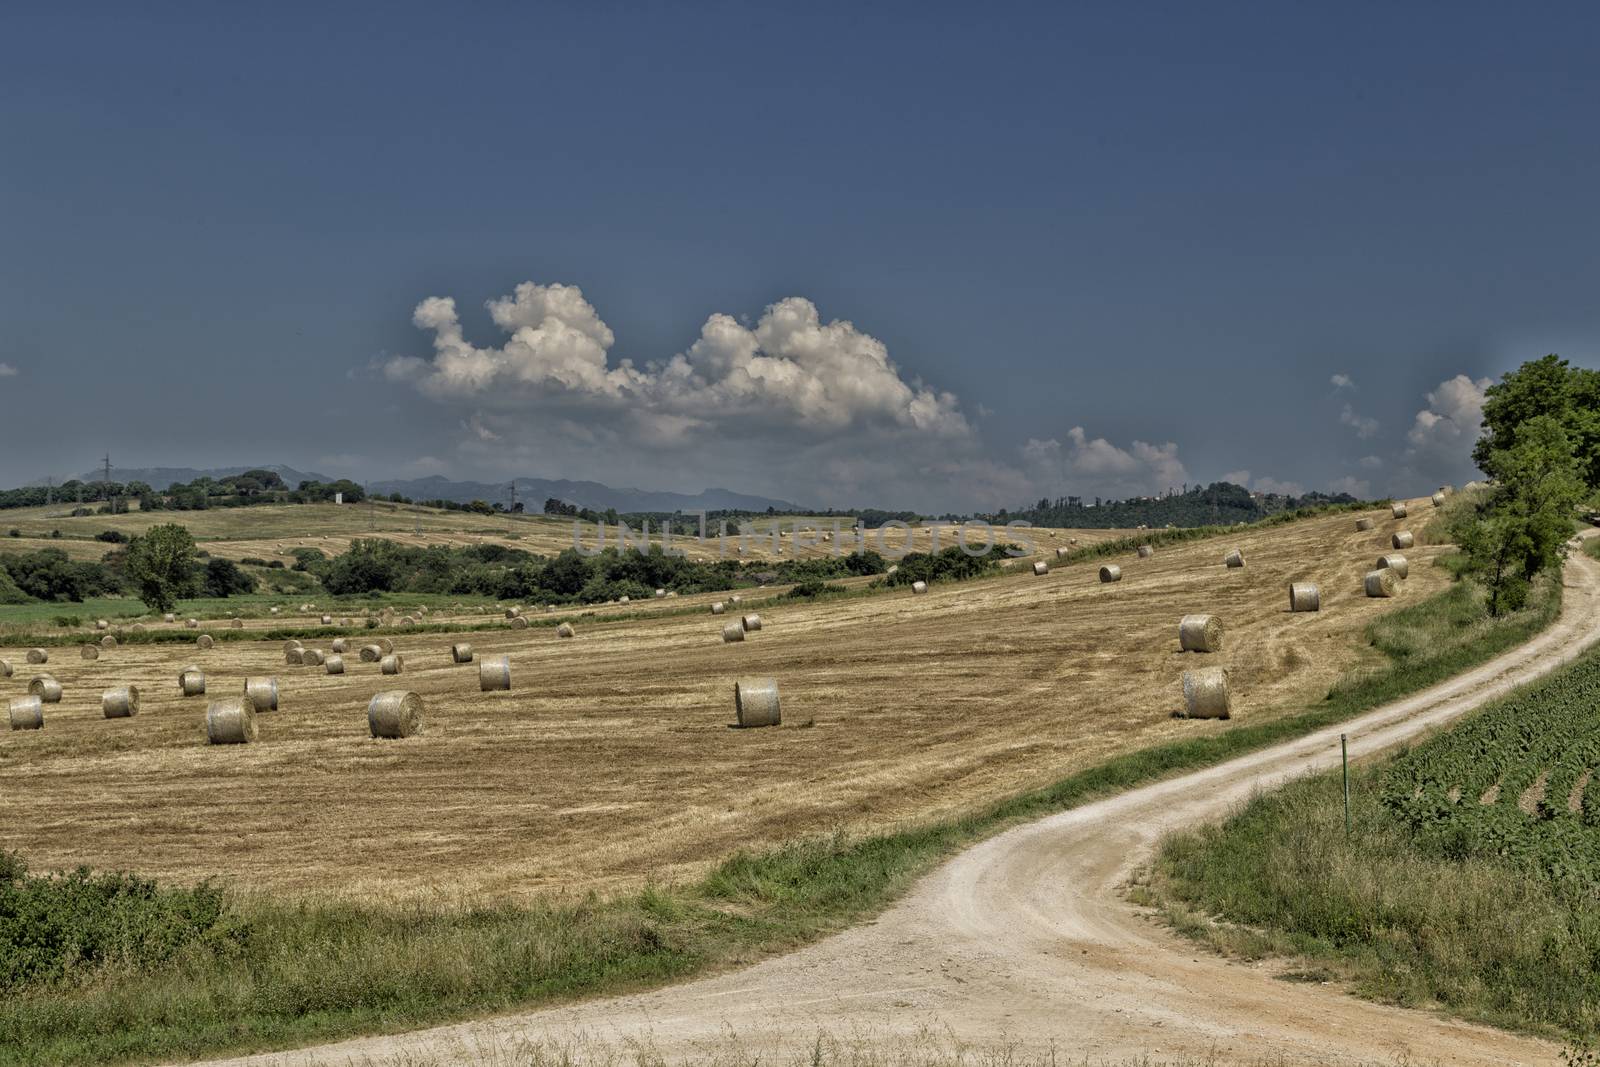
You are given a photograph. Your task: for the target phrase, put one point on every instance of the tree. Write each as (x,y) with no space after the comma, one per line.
(1546,386)
(223,578)
(161,565)
(1520,527)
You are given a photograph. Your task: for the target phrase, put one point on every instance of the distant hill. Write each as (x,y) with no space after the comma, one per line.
(161,477)
(533,492)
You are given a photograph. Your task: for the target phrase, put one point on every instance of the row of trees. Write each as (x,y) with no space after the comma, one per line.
(1217,504)
(161,568)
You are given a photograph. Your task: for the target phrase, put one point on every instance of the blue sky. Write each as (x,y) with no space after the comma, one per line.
(1103,249)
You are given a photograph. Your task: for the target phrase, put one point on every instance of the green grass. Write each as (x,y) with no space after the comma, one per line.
(1408,912)
(292,973)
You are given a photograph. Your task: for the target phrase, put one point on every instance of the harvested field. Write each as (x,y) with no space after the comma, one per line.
(618,765)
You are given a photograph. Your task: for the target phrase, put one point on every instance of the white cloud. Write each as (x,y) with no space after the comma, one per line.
(1273,485)
(1371,463)
(1363,426)
(1443,433)
(1342,381)
(1093,466)
(1237,478)
(7,371)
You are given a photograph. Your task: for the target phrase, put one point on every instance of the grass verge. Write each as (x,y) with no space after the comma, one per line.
(269,973)
(1426,915)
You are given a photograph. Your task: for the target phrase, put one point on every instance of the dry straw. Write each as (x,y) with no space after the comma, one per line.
(204,641)
(192,624)
(1205,693)
(755,702)
(1398,511)
(1382,583)
(461,653)
(192,682)
(494,673)
(387,646)
(732,632)
(237,624)
(230,722)
(169,617)
(294,657)
(395,714)
(751,623)
(1146,551)
(565,630)
(1438,500)
(391,665)
(1111,573)
(1395,562)
(340,645)
(1403,539)
(718,608)
(38,655)
(660,593)
(101,624)
(1304,596)
(371,653)
(1200,633)
(512,613)
(27,713)
(1233,559)
(334,664)
(1041,568)
(519,623)
(90,651)
(121,702)
(6,669)
(1061,553)
(262,692)
(45,688)
(327,620)
(312,657)
(919,587)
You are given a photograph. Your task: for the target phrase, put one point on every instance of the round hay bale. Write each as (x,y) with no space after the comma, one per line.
(1304,596)
(1062,553)
(108,642)
(1363,524)
(101,624)
(755,702)
(231,721)
(750,622)
(169,617)
(371,653)
(1146,551)
(391,665)
(90,651)
(1397,563)
(519,623)
(38,655)
(718,608)
(1205,694)
(262,692)
(192,682)
(461,653)
(192,624)
(565,630)
(1200,633)
(294,657)
(312,657)
(371,623)
(732,632)
(1398,511)
(1382,582)
(346,623)
(45,688)
(1111,573)
(1233,559)
(334,664)
(327,620)
(272,611)
(237,624)
(27,713)
(1438,500)
(624,599)
(387,645)
(919,587)
(734,599)
(407,620)
(1403,539)
(138,627)
(494,674)
(660,594)
(6,670)
(205,641)
(394,715)
(120,703)
(1041,568)
(513,613)
(340,645)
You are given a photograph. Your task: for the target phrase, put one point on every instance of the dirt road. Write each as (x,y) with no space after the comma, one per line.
(1027,939)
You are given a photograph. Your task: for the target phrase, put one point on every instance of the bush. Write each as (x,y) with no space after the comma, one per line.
(222,578)
(812,588)
(112,537)
(68,622)
(950,565)
(14,532)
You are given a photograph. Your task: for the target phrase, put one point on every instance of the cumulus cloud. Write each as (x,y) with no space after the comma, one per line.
(1371,463)
(7,371)
(1363,426)
(791,367)
(1342,381)
(1358,487)
(1442,434)
(1094,466)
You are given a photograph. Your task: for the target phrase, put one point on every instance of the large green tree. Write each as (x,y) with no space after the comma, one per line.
(1547,386)
(1521,525)
(161,565)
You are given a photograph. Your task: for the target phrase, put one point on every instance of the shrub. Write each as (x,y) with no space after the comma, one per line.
(812,588)
(112,537)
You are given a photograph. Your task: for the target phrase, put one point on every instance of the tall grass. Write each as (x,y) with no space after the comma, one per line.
(291,973)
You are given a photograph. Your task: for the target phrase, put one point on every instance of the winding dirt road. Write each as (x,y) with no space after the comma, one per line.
(1027,940)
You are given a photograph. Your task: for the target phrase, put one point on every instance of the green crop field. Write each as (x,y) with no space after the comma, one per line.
(1518,782)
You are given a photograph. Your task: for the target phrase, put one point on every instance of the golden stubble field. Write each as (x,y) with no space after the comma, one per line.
(612,761)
